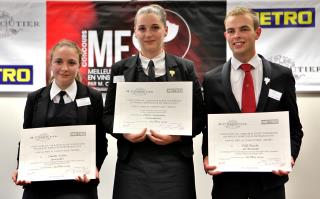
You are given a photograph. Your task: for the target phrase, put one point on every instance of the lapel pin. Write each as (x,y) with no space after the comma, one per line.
(172,73)
(267,80)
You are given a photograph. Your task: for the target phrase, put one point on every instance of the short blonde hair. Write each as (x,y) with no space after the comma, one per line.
(243,11)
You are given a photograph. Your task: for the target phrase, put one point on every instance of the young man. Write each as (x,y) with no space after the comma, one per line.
(223,93)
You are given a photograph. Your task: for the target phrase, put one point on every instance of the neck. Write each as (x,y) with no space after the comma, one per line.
(245,58)
(151,55)
(63,86)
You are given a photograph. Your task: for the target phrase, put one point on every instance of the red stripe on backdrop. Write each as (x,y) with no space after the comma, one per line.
(65,20)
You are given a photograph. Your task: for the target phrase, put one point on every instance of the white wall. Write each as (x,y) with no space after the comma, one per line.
(303,180)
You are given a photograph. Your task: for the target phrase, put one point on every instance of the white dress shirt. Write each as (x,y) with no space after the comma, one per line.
(237,76)
(70,96)
(159,64)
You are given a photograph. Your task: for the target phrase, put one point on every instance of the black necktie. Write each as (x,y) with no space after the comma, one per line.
(151,72)
(61,93)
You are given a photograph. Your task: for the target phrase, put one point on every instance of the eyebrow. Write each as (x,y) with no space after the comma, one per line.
(244,26)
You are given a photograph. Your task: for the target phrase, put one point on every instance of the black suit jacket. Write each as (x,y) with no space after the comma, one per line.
(184,71)
(219,98)
(36,108)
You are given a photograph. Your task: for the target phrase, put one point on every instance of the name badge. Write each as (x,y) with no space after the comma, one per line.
(118,78)
(83,101)
(274,94)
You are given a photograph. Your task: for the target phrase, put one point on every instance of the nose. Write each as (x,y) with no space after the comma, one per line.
(64,66)
(236,34)
(148,32)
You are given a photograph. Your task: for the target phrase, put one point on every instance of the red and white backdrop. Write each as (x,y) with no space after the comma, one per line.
(104,32)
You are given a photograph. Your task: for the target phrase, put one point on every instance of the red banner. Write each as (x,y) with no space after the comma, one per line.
(104,31)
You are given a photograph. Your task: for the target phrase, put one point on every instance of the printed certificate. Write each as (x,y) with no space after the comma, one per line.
(249,142)
(165,107)
(57,153)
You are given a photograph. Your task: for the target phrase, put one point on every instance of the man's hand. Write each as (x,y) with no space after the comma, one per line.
(209,169)
(281,172)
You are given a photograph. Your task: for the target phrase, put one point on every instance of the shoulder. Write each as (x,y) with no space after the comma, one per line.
(93,91)
(125,62)
(214,72)
(280,68)
(89,90)
(277,70)
(37,93)
(179,60)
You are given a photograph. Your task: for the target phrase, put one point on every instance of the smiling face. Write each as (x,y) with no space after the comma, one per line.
(65,64)
(150,32)
(241,36)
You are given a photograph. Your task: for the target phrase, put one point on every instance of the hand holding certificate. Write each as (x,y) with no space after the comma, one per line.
(57,153)
(160,106)
(249,142)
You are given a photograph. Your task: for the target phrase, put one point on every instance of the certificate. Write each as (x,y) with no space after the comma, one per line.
(57,153)
(165,107)
(249,142)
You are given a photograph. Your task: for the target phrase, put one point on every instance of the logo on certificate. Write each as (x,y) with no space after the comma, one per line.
(232,124)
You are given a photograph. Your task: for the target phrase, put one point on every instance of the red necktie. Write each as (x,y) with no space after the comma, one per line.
(248,102)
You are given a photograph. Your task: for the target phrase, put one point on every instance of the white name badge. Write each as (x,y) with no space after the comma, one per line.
(274,94)
(118,78)
(83,101)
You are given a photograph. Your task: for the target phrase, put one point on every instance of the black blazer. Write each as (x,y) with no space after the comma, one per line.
(37,106)
(219,98)
(184,71)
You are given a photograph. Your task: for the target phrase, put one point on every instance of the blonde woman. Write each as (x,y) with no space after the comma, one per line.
(154,165)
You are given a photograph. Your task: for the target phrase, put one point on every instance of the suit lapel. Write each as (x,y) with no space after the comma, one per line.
(42,108)
(231,100)
(263,98)
(82,110)
(130,68)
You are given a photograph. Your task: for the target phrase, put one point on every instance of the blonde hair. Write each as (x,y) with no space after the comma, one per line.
(243,11)
(68,43)
(155,9)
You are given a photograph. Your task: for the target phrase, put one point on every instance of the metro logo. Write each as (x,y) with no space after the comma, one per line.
(16,74)
(286,17)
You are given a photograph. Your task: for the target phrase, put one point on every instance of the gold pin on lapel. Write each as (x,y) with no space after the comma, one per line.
(172,73)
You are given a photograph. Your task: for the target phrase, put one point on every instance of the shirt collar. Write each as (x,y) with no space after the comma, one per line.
(157,59)
(254,62)
(71,90)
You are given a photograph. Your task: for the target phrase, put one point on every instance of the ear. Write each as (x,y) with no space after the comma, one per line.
(258,32)
(166,29)
(225,34)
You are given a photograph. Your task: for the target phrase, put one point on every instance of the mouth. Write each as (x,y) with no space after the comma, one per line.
(64,75)
(149,41)
(238,44)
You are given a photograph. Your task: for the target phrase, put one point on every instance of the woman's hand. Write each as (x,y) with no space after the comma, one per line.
(161,139)
(135,138)
(14,177)
(85,179)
